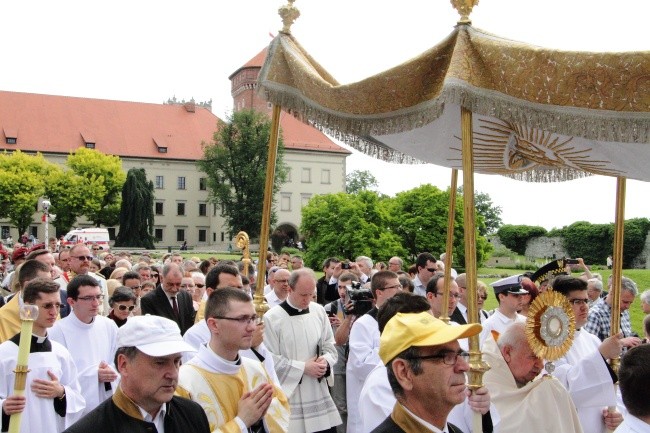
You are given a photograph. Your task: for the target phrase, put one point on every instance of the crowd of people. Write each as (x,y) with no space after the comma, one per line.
(172,344)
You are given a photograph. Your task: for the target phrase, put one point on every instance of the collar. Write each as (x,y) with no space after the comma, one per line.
(409,422)
(291,310)
(208,359)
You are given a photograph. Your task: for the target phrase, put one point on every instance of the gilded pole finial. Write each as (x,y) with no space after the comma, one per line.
(464,8)
(289,14)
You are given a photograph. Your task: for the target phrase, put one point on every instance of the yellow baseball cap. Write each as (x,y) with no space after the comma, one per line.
(419,329)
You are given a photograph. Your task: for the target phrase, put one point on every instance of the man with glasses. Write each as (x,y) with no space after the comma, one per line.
(280,286)
(80,259)
(508,292)
(299,335)
(600,315)
(236,392)
(426,267)
(169,300)
(426,371)
(45,256)
(395,264)
(584,370)
(435,290)
(526,402)
(90,338)
(363,355)
(52,399)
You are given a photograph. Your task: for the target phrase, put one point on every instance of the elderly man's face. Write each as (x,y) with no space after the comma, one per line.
(592,292)
(523,363)
(281,283)
(440,384)
(149,381)
(171,283)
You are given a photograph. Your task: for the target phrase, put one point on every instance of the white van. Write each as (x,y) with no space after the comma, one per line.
(94,235)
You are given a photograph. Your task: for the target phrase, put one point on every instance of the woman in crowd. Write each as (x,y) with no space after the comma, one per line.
(122,303)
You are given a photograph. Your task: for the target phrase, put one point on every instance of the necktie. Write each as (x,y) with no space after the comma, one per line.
(175,306)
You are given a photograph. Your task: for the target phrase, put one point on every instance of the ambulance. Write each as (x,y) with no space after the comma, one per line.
(90,236)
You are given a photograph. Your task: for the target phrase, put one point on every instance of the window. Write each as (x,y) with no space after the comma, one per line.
(203,209)
(223,236)
(158,235)
(306,175)
(325,176)
(214,236)
(180,209)
(180,235)
(5,232)
(214,209)
(90,145)
(11,140)
(304,199)
(160,182)
(159,208)
(203,183)
(285,202)
(33,230)
(181,182)
(203,235)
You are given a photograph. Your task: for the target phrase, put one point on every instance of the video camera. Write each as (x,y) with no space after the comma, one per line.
(361,298)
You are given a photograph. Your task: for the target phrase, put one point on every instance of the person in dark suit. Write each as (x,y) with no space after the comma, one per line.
(169,300)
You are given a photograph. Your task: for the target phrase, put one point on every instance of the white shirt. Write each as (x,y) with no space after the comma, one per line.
(632,424)
(498,322)
(158,420)
(420,289)
(272,299)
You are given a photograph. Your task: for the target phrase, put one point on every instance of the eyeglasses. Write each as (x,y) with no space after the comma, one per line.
(91,298)
(187,286)
(281,281)
(200,286)
(484,297)
(244,320)
(125,307)
(395,287)
(451,295)
(431,270)
(154,275)
(449,358)
(51,305)
(83,258)
(578,301)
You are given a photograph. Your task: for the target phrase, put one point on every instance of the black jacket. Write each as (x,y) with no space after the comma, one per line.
(120,415)
(157,304)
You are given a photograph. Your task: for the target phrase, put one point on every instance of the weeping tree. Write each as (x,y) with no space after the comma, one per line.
(136,214)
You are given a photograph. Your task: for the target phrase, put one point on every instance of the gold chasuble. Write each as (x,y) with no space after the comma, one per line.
(218,385)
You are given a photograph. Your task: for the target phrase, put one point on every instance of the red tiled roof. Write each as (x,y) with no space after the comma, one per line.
(61,124)
(255,62)
(300,136)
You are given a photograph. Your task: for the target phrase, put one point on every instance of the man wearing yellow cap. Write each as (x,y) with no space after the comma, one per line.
(426,370)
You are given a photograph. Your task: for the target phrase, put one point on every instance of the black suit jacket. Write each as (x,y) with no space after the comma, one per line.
(457,317)
(390,426)
(325,292)
(157,303)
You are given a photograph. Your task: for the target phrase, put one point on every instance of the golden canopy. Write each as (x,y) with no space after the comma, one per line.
(539,114)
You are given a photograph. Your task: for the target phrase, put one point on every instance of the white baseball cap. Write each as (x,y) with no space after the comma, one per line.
(152,335)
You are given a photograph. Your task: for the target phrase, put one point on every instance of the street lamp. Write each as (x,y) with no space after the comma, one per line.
(46,213)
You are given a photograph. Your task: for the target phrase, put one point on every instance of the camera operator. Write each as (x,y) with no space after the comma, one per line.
(361,267)
(363,354)
(341,315)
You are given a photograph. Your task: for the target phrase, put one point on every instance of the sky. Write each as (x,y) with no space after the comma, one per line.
(149,51)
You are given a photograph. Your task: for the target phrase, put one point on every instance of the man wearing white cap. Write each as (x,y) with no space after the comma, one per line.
(508,292)
(426,370)
(148,358)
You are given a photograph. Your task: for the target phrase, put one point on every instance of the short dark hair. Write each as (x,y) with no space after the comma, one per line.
(36,286)
(204,266)
(403,302)
(36,253)
(129,351)
(433,282)
(422,259)
(406,282)
(634,380)
(77,282)
(348,276)
(219,301)
(121,294)
(30,269)
(565,284)
(378,281)
(212,278)
(328,261)
(130,275)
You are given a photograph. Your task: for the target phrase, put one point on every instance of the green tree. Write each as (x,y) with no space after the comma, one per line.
(360,180)
(515,237)
(490,213)
(22,183)
(107,169)
(346,226)
(136,216)
(235,165)
(72,196)
(419,217)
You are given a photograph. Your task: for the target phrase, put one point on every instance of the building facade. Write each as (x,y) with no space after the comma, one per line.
(167,140)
